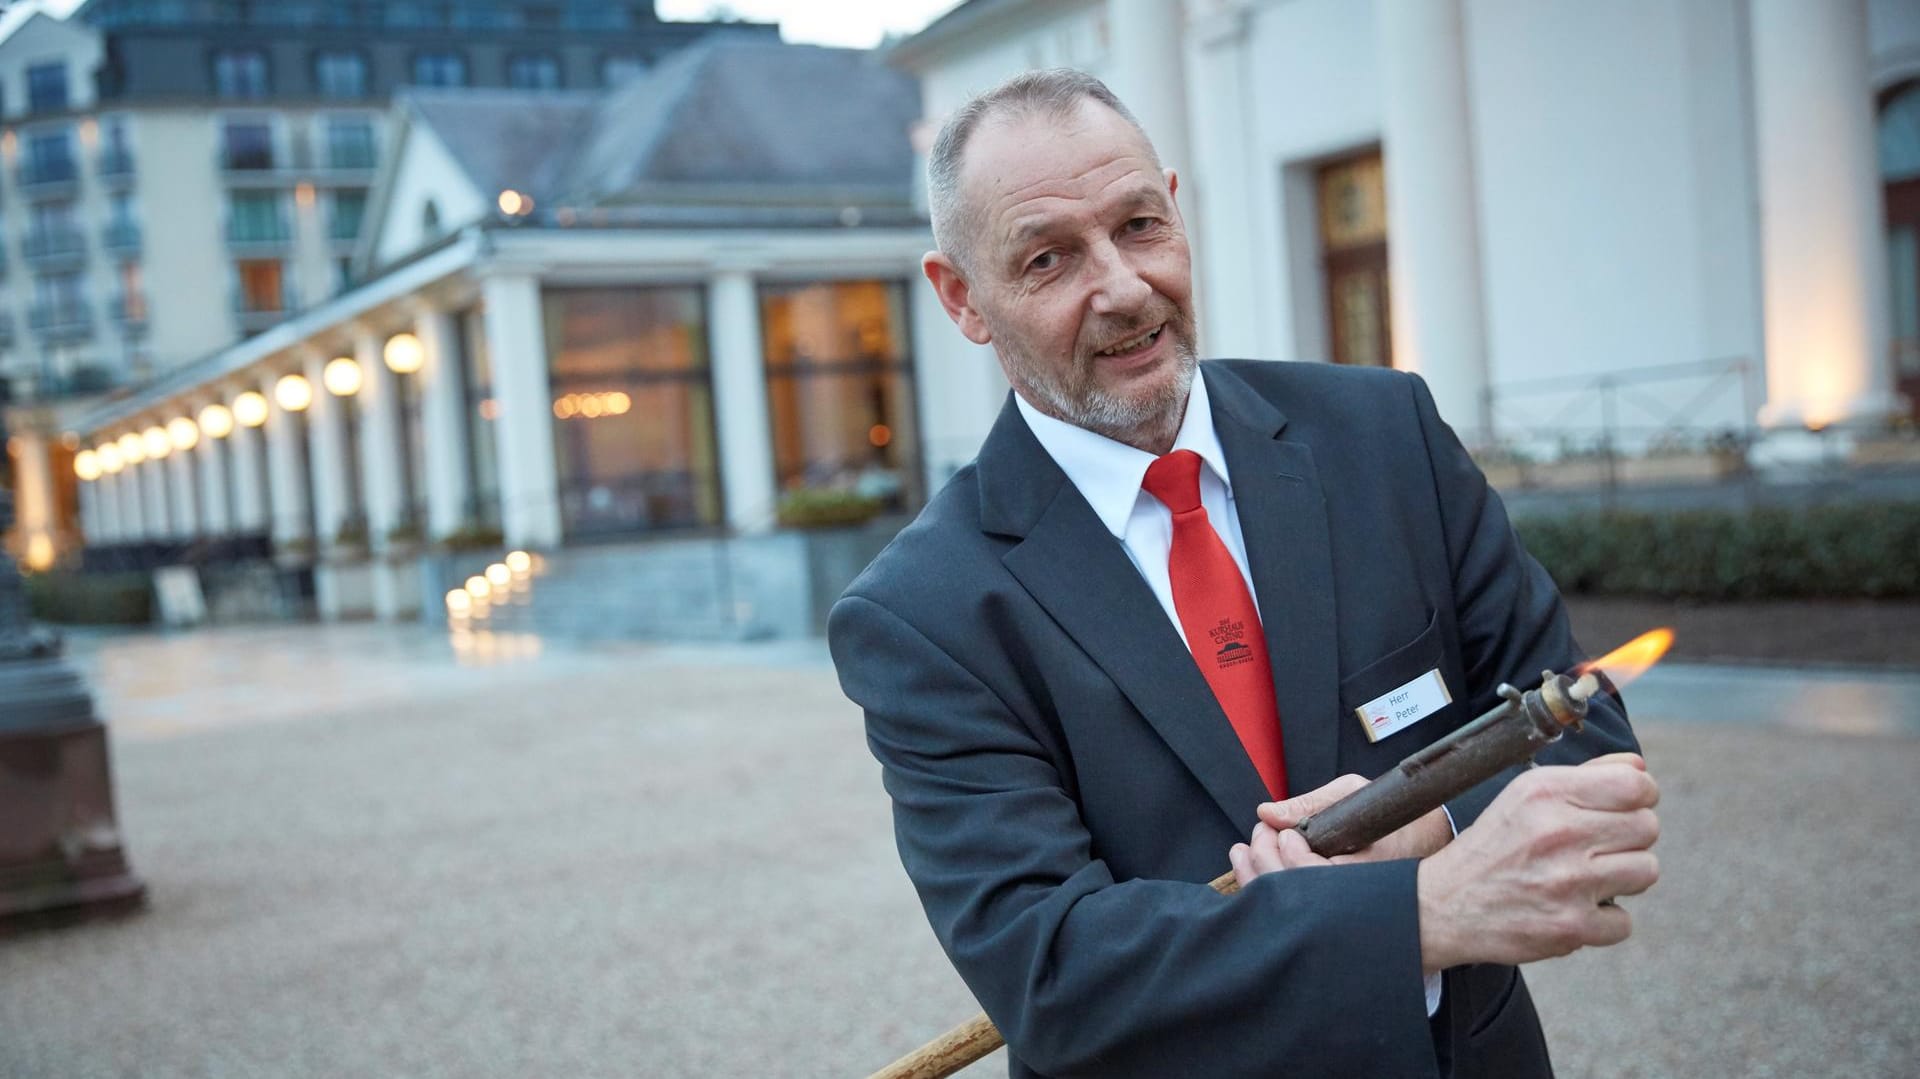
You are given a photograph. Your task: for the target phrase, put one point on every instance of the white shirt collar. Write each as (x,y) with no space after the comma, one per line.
(1108,473)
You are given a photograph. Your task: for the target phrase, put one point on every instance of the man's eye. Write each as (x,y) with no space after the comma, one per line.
(1141,224)
(1044,261)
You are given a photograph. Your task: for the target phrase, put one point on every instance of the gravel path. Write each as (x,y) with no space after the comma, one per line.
(662,863)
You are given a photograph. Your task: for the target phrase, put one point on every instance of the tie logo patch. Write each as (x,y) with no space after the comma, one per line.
(1229,643)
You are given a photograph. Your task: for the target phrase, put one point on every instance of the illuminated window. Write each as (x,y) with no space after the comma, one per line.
(635,450)
(261,285)
(840,388)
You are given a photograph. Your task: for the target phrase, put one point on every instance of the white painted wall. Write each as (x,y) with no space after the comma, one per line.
(188,275)
(426,172)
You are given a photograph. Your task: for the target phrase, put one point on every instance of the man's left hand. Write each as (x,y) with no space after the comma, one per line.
(1274,845)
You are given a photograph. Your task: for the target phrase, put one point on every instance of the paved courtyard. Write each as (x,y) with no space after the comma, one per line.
(371,854)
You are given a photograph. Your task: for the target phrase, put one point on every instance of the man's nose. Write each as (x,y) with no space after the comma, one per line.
(1119,288)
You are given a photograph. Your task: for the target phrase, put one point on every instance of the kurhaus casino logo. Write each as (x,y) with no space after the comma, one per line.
(1230,648)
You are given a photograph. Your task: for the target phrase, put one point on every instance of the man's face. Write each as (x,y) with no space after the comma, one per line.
(1080,276)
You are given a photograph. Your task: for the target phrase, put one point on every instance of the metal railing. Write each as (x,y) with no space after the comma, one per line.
(53,243)
(1623,421)
(121,236)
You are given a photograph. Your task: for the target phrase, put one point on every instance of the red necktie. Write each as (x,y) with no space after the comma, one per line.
(1217,613)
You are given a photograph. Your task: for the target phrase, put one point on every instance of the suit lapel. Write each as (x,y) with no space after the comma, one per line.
(1077,571)
(1283,517)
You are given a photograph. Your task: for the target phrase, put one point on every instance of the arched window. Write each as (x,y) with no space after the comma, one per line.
(430,220)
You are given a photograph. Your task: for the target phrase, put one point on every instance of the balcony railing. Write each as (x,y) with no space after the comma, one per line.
(258,310)
(246,160)
(116,162)
(38,175)
(53,244)
(273,233)
(121,236)
(66,321)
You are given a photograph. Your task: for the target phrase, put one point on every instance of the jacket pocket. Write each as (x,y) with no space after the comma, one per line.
(1395,669)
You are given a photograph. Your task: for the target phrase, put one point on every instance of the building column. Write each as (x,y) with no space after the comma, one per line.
(286,472)
(380,461)
(103,519)
(1822,264)
(1150,72)
(326,457)
(184,509)
(443,422)
(133,510)
(210,458)
(740,402)
(153,499)
(33,521)
(529,474)
(1433,248)
(250,513)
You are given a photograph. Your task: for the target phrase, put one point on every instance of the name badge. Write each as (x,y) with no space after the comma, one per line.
(1395,711)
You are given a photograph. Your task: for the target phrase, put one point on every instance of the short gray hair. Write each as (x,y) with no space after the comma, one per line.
(1054,92)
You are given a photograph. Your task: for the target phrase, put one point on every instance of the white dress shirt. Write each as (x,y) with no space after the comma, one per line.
(1108,475)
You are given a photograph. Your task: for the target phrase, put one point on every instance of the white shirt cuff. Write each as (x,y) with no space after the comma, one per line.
(1434,980)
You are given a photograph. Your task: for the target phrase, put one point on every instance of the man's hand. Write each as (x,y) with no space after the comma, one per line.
(1534,876)
(1274,845)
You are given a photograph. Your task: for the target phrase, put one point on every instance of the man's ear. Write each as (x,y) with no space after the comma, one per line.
(955,296)
(1173,182)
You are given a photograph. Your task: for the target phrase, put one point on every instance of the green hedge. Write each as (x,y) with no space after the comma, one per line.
(117,599)
(1858,550)
(825,507)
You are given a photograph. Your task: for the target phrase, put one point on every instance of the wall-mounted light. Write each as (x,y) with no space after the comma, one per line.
(155,441)
(293,392)
(216,421)
(108,454)
(86,465)
(183,433)
(514,204)
(404,354)
(250,409)
(341,376)
(132,449)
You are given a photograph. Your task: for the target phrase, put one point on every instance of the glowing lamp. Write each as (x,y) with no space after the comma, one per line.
(111,461)
(341,376)
(86,465)
(155,441)
(403,354)
(250,409)
(183,433)
(293,392)
(216,421)
(131,448)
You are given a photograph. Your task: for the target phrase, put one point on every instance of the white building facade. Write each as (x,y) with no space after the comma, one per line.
(1636,221)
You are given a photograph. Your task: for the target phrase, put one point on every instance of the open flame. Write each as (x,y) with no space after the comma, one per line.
(1631,660)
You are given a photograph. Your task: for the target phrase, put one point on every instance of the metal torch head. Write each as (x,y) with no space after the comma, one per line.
(1566,697)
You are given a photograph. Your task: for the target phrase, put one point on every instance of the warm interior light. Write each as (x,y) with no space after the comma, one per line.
(519,561)
(1631,660)
(618,403)
(459,603)
(293,392)
(566,407)
(478,588)
(403,354)
(131,448)
(515,204)
(86,465)
(39,553)
(183,433)
(499,576)
(110,458)
(216,421)
(250,409)
(879,434)
(341,376)
(155,441)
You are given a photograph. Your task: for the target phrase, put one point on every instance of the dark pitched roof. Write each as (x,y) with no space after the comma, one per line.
(507,138)
(732,121)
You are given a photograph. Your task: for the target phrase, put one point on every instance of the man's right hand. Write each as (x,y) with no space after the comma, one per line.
(1530,879)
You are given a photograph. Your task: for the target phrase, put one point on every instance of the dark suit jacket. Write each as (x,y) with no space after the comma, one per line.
(1064,783)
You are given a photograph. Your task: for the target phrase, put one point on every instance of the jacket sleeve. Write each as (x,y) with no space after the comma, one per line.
(1512,622)
(1312,971)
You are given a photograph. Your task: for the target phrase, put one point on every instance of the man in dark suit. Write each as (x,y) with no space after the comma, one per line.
(1165,597)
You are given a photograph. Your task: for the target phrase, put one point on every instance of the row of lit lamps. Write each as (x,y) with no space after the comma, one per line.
(341,376)
(483,589)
